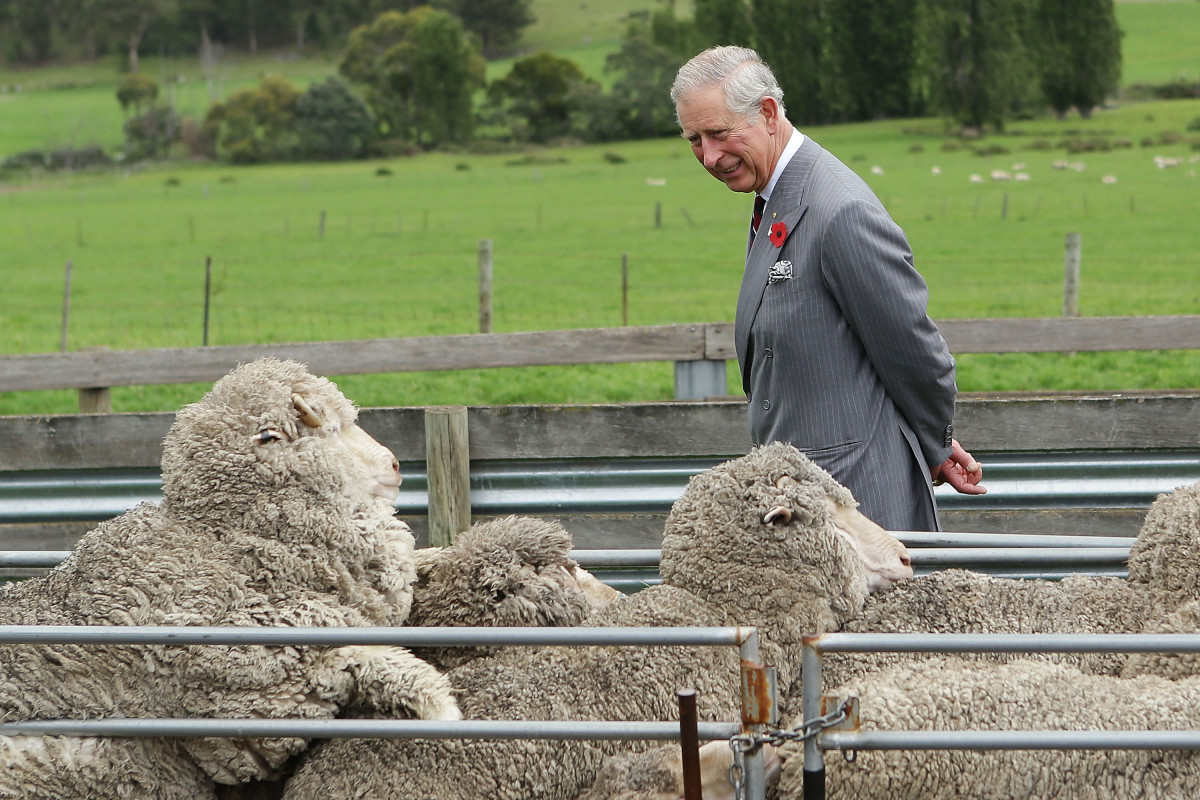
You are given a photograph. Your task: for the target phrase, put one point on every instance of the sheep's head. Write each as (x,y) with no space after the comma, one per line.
(513,571)
(777,513)
(271,426)
(507,572)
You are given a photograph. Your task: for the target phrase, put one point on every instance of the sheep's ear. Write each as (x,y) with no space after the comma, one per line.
(309,417)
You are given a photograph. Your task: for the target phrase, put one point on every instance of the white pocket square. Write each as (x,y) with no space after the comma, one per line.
(782,271)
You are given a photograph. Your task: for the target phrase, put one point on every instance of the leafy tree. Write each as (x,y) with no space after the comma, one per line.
(333,124)
(420,71)
(536,95)
(30,29)
(1079,52)
(137,90)
(796,38)
(979,69)
(497,23)
(873,44)
(256,125)
(722,22)
(129,19)
(678,36)
(642,89)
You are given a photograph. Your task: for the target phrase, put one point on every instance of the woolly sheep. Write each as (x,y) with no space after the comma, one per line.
(1163,578)
(753,541)
(276,510)
(513,571)
(953,694)
(508,572)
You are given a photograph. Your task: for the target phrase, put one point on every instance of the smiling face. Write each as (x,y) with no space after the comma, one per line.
(741,152)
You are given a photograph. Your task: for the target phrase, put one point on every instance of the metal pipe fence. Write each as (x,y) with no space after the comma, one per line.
(816,645)
(744,638)
(960,550)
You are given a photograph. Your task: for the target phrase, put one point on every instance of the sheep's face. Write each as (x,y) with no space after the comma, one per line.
(269,431)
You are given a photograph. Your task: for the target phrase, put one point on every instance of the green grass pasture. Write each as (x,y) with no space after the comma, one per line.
(1161,41)
(398,255)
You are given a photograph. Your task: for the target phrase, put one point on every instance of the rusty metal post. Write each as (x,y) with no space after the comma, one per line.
(814,759)
(754,720)
(689,744)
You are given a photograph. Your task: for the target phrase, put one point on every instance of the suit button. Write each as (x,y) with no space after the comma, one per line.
(768,353)
(766,405)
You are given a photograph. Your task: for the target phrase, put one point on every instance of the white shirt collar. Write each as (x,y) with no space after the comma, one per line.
(789,150)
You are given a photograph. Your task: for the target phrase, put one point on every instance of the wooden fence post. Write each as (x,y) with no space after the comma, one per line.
(1074,248)
(448,467)
(66,317)
(625,289)
(96,400)
(485,285)
(207,294)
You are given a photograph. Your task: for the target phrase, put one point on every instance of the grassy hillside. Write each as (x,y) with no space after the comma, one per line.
(56,106)
(398,254)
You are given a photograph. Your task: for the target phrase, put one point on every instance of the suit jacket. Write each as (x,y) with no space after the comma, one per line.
(837,351)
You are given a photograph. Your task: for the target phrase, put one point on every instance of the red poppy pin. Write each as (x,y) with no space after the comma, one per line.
(778,234)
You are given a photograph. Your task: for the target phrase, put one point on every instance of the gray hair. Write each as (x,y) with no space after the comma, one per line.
(740,71)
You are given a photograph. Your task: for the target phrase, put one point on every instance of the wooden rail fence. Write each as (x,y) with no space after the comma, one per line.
(698,350)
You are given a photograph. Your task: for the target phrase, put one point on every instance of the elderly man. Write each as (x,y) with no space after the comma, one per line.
(837,351)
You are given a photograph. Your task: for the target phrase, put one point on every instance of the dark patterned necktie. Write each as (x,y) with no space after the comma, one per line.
(759,205)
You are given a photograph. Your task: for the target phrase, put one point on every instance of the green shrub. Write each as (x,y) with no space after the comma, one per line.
(136,89)
(150,135)
(256,125)
(332,124)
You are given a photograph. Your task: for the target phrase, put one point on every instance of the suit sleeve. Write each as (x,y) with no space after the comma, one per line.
(867,264)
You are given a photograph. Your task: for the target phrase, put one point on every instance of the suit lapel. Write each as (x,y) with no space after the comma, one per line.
(788,194)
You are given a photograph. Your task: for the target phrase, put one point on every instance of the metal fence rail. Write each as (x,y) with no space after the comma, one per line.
(744,638)
(817,644)
(1014,555)
(1016,481)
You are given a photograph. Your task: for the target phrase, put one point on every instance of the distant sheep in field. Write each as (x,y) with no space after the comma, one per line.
(1001,175)
(276,510)
(768,540)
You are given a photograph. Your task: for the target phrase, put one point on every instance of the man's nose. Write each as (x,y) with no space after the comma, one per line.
(710,153)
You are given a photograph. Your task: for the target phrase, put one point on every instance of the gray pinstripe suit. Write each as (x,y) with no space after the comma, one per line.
(837,352)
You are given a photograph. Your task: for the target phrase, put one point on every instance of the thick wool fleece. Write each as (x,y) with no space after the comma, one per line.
(1159,596)
(1165,556)
(265,520)
(722,565)
(953,694)
(508,572)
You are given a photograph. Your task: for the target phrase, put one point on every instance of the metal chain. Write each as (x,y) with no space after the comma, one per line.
(745,742)
(737,770)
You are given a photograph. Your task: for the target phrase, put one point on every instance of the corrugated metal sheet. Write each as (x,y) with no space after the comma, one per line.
(1016,481)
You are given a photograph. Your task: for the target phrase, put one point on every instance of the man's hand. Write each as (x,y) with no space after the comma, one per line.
(961,471)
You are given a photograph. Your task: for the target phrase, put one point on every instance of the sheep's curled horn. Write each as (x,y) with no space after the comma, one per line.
(309,417)
(780,512)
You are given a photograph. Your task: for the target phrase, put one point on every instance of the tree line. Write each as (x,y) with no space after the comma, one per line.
(412,76)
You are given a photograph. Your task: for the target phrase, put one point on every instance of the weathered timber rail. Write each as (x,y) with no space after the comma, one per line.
(698,350)
(1062,464)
